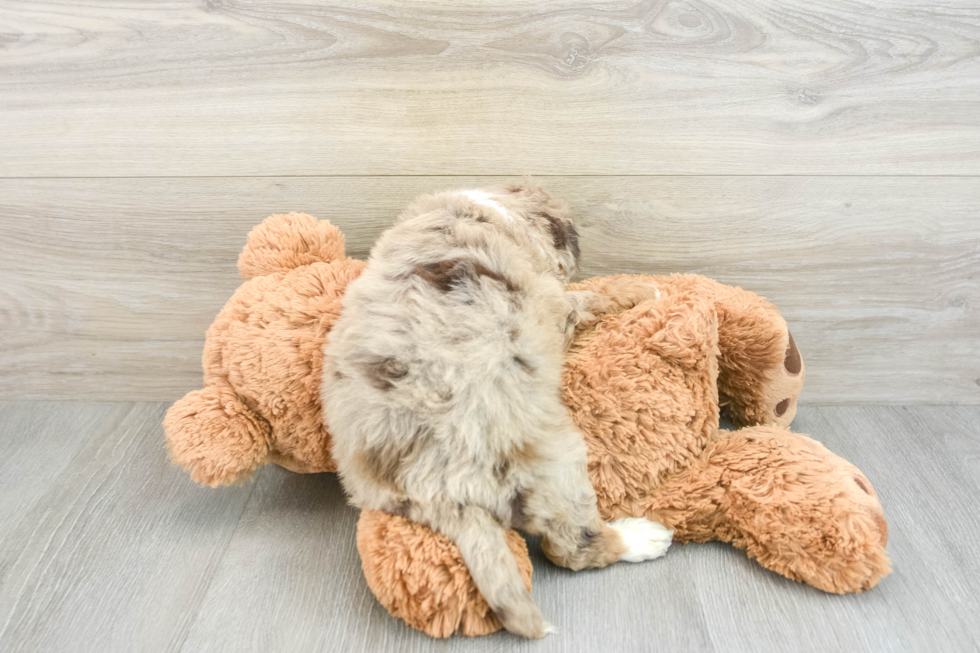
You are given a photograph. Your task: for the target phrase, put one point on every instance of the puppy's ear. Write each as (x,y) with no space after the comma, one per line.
(563,234)
(526,184)
(571,238)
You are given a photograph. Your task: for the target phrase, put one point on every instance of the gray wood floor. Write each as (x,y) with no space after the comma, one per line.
(104,546)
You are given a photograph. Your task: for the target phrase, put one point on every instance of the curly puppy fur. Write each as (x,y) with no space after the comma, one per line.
(441,387)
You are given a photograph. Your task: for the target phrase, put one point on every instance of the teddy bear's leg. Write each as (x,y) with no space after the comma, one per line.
(760,369)
(420,577)
(787,501)
(215,436)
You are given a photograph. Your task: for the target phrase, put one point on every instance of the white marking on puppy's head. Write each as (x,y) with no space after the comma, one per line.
(484,199)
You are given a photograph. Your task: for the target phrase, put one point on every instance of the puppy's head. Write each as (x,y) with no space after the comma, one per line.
(551,219)
(562,236)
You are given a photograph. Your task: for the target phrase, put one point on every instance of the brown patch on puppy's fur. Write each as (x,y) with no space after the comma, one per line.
(385,463)
(383,373)
(525,454)
(522,362)
(613,547)
(380,464)
(464,212)
(517,514)
(402,508)
(445,275)
(563,234)
(587,536)
(500,470)
(442,274)
(571,233)
(599,548)
(483,271)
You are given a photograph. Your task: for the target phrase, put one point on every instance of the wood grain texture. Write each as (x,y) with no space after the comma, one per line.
(122,552)
(242,87)
(112,550)
(37,444)
(110,284)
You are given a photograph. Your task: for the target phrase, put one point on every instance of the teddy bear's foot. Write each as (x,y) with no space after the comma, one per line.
(788,502)
(644,539)
(760,368)
(213,435)
(825,527)
(771,398)
(420,577)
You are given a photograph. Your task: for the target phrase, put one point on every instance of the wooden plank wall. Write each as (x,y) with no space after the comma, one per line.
(825,154)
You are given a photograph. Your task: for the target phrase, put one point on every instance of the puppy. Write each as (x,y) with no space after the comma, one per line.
(442,388)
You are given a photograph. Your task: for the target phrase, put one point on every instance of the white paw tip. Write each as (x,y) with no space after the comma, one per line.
(549,629)
(644,539)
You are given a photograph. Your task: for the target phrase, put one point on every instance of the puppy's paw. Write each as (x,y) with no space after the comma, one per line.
(626,292)
(527,622)
(644,290)
(644,539)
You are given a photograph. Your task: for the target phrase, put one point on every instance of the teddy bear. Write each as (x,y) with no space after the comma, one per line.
(645,387)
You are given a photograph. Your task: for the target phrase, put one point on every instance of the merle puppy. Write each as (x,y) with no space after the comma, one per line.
(441,388)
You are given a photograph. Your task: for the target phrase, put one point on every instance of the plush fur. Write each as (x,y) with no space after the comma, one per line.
(263,358)
(644,386)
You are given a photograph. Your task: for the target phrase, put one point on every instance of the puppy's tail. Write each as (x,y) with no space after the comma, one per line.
(481,541)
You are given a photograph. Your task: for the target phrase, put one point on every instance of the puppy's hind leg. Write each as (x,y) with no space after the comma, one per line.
(481,541)
(561,507)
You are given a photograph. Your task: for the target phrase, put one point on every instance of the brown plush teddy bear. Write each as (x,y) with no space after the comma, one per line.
(644,387)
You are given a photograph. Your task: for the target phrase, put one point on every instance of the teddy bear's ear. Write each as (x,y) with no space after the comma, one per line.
(285,242)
